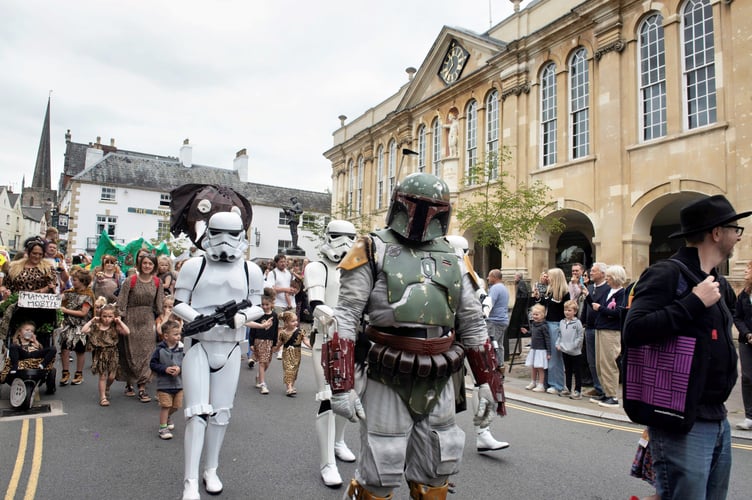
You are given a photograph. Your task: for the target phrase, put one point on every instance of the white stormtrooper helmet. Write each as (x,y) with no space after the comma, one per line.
(459,243)
(225,239)
(339,238)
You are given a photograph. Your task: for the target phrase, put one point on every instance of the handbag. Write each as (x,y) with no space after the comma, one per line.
(663,381)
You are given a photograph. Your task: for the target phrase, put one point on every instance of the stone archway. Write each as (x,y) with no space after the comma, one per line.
(574,244)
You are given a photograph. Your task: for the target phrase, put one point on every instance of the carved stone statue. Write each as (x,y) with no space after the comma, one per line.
(453,137)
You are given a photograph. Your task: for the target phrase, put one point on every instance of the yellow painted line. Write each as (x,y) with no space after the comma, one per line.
(36,461)
(10,493)
(586,421)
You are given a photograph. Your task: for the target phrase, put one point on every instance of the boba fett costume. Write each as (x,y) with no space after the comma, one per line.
(417,296)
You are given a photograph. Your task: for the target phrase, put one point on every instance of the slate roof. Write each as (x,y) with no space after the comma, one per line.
(12,198)
(34,213)
(163,174)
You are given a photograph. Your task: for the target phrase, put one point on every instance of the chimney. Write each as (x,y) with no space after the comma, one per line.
(186,154)
(240,165)
(94,154)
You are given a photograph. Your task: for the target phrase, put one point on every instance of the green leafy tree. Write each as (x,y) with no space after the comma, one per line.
(502,214)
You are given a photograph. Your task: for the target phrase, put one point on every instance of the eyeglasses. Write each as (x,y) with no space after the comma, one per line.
(738,229)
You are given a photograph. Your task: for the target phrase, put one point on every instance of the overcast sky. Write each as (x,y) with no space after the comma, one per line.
(269,76)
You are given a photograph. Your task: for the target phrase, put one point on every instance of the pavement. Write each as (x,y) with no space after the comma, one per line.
(518,376)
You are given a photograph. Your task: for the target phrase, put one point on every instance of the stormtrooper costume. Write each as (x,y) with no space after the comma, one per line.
(423,320)
(484,440)
(212,364)
(321,280)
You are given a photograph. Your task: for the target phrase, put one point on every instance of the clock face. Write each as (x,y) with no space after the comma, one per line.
(453,64)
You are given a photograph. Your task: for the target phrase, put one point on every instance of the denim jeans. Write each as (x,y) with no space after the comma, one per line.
(590,352)
(556,363)
(693,466)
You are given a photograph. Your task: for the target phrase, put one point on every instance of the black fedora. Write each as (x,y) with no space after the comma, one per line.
(706,214)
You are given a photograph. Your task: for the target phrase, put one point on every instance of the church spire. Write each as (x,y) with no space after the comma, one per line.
(42,170)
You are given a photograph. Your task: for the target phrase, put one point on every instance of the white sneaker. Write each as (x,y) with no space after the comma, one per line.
(264,389)
(342,452)
(330,476)
(746,425)
(539,388)
(279,355)
(530,386)
(552,390)
(190,490)
(212,483)
(486,442)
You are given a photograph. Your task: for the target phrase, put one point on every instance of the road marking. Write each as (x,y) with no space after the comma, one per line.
(745,447)
(36,461)
(10,493)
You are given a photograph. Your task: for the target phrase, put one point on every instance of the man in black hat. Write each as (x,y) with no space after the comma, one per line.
(695,302)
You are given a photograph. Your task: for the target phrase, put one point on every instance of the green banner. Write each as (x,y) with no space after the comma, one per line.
(125,254)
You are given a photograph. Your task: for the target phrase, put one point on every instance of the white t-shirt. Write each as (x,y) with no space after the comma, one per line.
(278,278)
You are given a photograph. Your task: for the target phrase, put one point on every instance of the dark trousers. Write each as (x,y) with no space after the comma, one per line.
(745,356)
(572,367)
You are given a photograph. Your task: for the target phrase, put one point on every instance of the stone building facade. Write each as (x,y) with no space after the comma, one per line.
(626,110)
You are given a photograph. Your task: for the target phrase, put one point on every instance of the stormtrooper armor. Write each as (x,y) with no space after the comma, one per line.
(321,280)
(212,365)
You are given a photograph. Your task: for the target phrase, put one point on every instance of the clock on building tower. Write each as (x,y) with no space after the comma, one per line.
(454,62)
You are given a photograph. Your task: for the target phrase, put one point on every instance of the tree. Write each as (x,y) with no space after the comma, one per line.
(501,216)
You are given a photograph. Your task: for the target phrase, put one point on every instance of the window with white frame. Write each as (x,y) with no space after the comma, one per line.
(106,223)
(283,245)
(164,199)
(283,219)
(471,142)
(107,194)
(652,67)
(392,165)
(579,104)
(350,187)
(308,219)
(492,133)
(422,148)
(359,192)
(436,147)
(548,114)
(380,177)
(698,51)
(163,229)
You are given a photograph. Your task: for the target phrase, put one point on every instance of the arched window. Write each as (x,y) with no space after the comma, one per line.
(698,51)
(548,114)
(436,147)
(359,192)
(380,177)
(652,67)
(392,165)
(422,148)
(492,133)
(350,187)
(471,141)
(579,104)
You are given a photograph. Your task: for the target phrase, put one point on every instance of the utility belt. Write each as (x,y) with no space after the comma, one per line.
(411,341)
(417,372)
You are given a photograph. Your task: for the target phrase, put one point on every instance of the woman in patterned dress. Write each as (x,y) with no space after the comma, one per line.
(139,303)
(30,274)
(107,279)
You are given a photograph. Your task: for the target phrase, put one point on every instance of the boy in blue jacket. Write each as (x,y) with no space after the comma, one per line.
(166,362)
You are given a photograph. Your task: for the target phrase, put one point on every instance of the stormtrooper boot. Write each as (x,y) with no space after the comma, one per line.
(325,431)
(190,490)
(486,442)
(340,447)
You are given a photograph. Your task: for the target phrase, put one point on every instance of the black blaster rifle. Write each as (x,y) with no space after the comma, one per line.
(223,315)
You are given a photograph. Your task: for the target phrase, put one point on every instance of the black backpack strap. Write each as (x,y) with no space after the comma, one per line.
(201,271)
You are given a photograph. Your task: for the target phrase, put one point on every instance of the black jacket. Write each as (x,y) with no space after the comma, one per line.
(595,293)
(743,316)
(608,316)
(664,306)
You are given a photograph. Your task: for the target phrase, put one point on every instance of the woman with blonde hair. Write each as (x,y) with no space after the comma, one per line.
(556,295)
(743,322)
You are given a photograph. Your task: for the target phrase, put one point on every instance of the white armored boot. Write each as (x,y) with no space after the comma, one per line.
(484,440)
(215,435)
(195,428)
(325,431)
(340,447)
